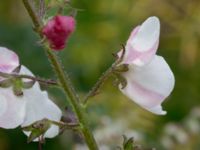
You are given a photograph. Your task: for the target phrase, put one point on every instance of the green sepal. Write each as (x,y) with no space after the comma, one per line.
(121,68)
(17,87)
(5,75)
(37,129)
(28,85)
(120,80)
(6,83)
(128,144)
(17,69)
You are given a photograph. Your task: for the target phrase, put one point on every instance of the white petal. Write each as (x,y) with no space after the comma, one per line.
(157,110)
(12,109)
(143,42)
(147,35)
(149,85)
(38,107)
(8,60)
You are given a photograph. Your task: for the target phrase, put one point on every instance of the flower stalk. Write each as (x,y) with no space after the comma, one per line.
(95,89)
(108,73)
(73,97)
(20,76)
(65,83)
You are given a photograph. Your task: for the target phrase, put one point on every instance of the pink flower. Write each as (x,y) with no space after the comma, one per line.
(58,30)
(24,110)
(149,79)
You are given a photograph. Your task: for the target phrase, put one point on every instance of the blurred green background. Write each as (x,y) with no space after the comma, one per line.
(102,26)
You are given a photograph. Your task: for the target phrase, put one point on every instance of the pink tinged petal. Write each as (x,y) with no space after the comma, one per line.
(133,34)
(143,42)
(8,60)
(149,85)
(39,106)
(12,109)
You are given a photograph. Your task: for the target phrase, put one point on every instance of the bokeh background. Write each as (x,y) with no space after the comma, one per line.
(102,26)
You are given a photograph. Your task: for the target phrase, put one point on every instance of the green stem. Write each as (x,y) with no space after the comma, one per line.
(98,84)
(36,20)
(74,99)
(104,77)
(65,83)
(72,126)
(40,80)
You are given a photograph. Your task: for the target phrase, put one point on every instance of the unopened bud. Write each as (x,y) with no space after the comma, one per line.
(58,30)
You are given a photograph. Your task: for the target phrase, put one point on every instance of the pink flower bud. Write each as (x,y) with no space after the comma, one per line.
(58,30)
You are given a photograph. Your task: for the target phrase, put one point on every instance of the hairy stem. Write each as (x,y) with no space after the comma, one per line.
(104,77)
(74,99)
(36,20)
(66,85)
(40,80)
(95,89)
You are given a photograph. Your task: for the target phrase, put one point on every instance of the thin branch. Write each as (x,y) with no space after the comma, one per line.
(42,8)
(42,81)
(61,124)
(36,20)
(95,89)
(65,84)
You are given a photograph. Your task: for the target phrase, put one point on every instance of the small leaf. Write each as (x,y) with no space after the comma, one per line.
(124,139)
(120,80)
(34,134)
(5,75)
(28,85)
(27,128)
(17,69)
(121,68)
(37,129)
(129,144)
(6,83)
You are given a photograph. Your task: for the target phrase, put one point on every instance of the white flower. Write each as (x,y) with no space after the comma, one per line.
(24,110)
(149,79)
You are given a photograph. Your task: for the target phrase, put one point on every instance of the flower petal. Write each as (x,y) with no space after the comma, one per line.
(39,106)
(143,42)
(8,60)
(12,109)
(149,85)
